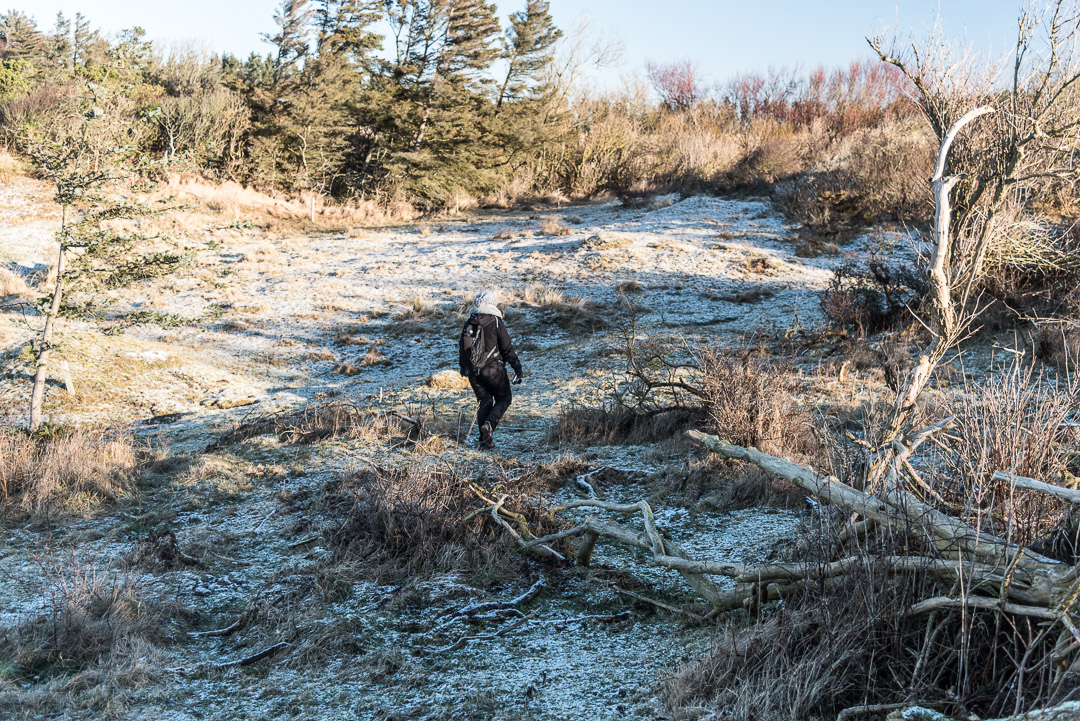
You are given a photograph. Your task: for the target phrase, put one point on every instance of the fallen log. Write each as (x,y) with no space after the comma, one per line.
(896,509)
(1032,484)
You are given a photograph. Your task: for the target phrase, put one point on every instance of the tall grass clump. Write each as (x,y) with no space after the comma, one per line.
(412,522)
(69,470)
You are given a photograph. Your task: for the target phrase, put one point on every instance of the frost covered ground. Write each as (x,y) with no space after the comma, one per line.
(260,323)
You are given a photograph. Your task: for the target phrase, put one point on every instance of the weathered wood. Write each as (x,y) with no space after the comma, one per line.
(895,508)
(1032,484)
(983,603)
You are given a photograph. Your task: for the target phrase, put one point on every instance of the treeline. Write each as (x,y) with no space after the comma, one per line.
(435,102)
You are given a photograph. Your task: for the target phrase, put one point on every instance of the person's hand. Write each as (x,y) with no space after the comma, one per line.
(518,379)
(463,371)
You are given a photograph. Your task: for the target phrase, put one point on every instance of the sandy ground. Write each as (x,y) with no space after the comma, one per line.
(261,323)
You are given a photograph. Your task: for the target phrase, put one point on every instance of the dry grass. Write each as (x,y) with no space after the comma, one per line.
(750,400)
(12,286)
(95,650)
(72,471)
(613,424)
(811,660)
(238,203)
(421,315)
(1017,421)
(599,242)
(658,390)
(553,225)
(851,640)
(447,380)
(571,313)
(420,520)
(316,422)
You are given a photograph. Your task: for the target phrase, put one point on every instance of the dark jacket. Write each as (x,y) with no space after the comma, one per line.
(495,333)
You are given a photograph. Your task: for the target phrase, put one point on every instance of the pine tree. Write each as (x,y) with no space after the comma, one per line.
(292,40)
(58,47)
(442,46)
(19,37)
(527,49)
(83,147)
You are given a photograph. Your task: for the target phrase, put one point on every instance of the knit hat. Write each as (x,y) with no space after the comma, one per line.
(488,303)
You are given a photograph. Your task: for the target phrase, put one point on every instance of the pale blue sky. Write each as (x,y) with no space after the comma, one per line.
(723,36)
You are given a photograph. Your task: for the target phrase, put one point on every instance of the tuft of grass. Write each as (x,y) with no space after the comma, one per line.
(316,422)
(12,286)
(412,522)
(554,226)
(71,470)
(571,313)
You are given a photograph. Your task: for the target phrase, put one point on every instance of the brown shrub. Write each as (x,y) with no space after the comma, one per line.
(775,159)
(749,399)
(847,644)
(882,176)
(617,425)
(70,470)
(1059,345)
(93,614)
(419,520)
(318,421)
(871,300)
(1017,420)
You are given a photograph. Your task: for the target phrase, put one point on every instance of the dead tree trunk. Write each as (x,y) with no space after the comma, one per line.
(945,321)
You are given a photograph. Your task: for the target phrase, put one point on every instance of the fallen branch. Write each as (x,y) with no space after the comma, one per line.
(465,640)
(979,602)
(248,660)
(529,595)
(878,708)
(583,483)
(658,604)
(525,545)
(897,508)
(231,628)
(1031,484)
(561,623)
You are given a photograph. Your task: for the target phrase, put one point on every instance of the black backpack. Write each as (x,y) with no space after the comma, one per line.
(475,344)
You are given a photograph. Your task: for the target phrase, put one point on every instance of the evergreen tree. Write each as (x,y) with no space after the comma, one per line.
(83,147)
(527,49)
(58,52)
(19,37)
(292,40)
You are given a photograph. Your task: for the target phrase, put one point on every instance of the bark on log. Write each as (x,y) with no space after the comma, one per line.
(897,508)
(1031,484)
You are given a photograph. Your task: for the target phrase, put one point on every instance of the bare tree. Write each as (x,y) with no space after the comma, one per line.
(678,84)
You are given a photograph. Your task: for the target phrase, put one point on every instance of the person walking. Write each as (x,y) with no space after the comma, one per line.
(484,350)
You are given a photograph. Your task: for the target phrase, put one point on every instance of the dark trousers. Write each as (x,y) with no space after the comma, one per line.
(492,388)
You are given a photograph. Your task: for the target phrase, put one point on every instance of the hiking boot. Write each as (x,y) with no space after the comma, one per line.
(486,440)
